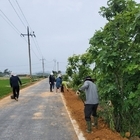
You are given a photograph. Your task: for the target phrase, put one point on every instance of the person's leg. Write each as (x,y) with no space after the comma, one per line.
(17,91)
(88,112)
(94,110)
(62,88)
(57,89)
(95,116)
(14,92)
(50,87)
(53,85)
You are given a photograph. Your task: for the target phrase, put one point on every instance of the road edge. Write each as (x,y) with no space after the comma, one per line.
(74,123)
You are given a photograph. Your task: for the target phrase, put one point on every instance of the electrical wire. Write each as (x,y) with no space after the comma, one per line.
(36,43)
(22,12)
(15,28)
(10,22)
(17,13)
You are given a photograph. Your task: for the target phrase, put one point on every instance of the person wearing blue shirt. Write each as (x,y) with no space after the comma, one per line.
(58,83)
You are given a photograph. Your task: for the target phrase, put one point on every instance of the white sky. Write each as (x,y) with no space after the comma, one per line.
(62,28)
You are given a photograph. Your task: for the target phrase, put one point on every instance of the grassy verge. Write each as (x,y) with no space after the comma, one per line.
(6,90)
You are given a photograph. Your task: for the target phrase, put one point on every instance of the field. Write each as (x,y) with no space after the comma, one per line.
(5,88)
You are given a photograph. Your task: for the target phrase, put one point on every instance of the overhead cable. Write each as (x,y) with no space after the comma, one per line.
(17,14)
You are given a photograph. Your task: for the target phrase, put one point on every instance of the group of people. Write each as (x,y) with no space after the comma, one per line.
(89,87)
(57,83)
(91,102)
(15,83)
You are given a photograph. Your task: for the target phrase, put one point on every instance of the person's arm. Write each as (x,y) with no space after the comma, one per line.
(19,81)
(50,79)
(83,87)
(10,82)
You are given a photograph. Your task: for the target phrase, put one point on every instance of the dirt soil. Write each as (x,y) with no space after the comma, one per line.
(76,108)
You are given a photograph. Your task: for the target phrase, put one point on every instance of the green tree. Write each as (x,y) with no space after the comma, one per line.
(6,72)
(115,50)
(78,68)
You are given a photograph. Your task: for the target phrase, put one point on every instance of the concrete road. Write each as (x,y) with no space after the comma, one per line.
(38,115)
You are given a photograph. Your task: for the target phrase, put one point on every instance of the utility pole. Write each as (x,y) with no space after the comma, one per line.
(54,65)
(57,66)
(29,50)
(43,66)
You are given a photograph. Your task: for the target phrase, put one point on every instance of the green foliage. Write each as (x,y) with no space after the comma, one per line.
(82,96)
(5,88)
(78,68)
(65,77)
(115,49)
(106,111)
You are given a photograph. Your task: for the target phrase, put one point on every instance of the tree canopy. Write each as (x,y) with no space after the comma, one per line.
(115,50)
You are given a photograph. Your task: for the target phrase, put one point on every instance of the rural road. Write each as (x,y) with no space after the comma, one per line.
(38,115)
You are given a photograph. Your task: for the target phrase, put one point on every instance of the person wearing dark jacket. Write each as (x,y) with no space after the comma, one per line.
(51,81)
(91,103)
(14,83)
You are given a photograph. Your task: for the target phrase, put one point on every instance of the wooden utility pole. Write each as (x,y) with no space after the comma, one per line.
(29,50)
(43,65)
(54,65)
(57,66)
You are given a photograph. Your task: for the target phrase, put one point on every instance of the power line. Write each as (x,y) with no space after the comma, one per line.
(14,27)
(43,65)
(22,12)
(20,19)
(10,22)
(17,14)
(35,53)
(33,35)
(37,46)
(36,43)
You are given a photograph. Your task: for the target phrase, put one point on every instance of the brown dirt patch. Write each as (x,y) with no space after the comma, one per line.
(76,108)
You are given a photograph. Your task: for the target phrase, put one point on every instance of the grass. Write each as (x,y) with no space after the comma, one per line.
(5,88)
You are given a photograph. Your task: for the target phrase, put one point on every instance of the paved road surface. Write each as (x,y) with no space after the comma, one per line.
(38,115)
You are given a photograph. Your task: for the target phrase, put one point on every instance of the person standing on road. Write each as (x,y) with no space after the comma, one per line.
(58,83)
(51,81)
(14,83)
(91,103)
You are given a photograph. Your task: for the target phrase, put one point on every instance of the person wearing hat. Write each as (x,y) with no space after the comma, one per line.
(14,83)
(91,102)
(51,81)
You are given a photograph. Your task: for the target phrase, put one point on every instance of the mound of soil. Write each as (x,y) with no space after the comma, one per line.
(76,109)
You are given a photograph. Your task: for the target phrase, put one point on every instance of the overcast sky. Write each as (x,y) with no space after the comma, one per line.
(62,28)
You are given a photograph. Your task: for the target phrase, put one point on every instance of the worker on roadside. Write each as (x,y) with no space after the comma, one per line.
(14,83)
(58,83)
(91,103)
(64,86)
(51,81)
